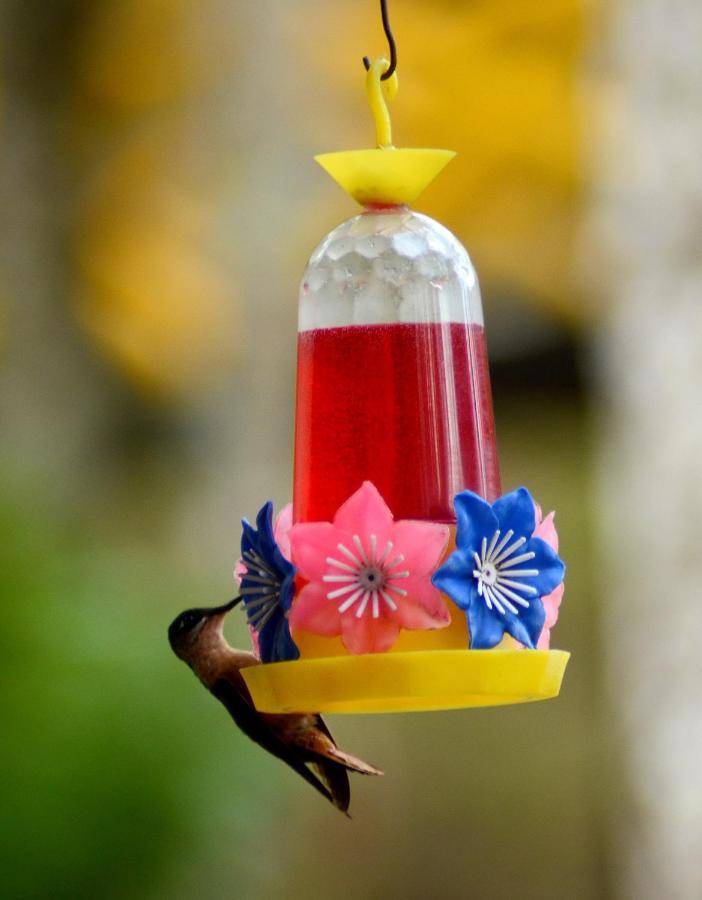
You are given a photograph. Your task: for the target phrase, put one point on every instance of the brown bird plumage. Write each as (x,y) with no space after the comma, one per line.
(300,740)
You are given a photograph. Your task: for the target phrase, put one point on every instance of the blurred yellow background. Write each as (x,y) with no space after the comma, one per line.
(158,204)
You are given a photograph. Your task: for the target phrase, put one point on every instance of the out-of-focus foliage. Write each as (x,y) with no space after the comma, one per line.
(139,55)
(160,302)
(153,296)
(110,768)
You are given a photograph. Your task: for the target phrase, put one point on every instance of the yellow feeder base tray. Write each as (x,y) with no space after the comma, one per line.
(407,682)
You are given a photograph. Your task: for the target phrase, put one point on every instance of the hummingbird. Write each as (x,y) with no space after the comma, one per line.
(301,740)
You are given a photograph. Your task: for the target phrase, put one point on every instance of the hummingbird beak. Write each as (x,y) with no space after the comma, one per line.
(222,610)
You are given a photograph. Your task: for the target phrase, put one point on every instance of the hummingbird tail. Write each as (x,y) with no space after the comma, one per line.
(333,767)
(334,754)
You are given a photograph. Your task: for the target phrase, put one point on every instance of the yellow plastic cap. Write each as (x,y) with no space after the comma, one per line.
(407,682)
(390,176)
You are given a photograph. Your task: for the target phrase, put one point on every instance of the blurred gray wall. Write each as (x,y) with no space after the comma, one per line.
(646,217)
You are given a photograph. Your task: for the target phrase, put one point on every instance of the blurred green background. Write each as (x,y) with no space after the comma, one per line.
(158,204)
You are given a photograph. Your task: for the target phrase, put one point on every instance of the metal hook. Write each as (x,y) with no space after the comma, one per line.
(391,44)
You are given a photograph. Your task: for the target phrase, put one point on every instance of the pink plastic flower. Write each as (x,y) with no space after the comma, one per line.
(281,530)
(546,530)
(368,575)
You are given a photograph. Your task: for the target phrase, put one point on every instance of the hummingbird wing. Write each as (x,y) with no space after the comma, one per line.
(257,728)
(336,778)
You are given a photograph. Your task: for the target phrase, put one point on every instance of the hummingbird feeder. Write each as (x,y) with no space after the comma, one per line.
(401,578)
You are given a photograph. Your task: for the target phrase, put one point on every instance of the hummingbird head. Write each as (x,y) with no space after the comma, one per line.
(186,630)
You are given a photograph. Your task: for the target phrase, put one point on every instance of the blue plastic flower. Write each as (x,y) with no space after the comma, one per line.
(499,571)
(267,588)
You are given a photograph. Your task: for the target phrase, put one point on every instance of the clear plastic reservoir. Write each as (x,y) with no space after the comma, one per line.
(392,373)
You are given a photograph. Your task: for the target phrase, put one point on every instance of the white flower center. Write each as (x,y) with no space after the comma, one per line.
(366,578)
(499,582)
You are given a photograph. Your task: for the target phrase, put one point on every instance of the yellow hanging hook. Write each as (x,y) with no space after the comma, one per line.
(378,91)
(379,177)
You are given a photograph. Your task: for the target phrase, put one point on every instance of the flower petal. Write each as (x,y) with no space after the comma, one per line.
(455,578)
(249,536)
(551,604)
(485,627)
(546,530)
(474,520)
(313,611)
(260,540)
(421,544)
(311,543)
(281,529)
(287,592)
(528,625)
(264,531)
(365,513)
(240,570)
(368,635)
(551,568)
(423,607)
(274,640)
(255,649)
(516,511)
